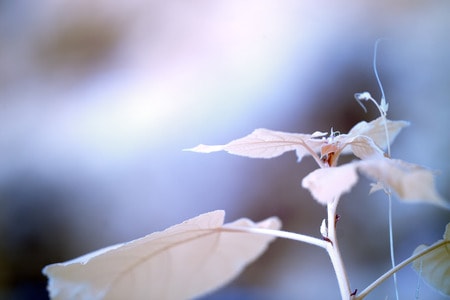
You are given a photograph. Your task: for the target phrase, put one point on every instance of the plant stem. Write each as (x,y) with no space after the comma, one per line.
(279,233)
(401,265)
(331,245)
(333,252)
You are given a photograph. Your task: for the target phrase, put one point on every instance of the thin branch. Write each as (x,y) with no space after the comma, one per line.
(401,265)
(279,233)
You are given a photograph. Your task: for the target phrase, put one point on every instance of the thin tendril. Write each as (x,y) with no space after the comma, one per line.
(382,108)
(375,69)
(383,101)
(383,98)
(358,99)
(391,243)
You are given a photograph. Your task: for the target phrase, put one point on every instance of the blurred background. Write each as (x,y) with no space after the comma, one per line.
(98,98)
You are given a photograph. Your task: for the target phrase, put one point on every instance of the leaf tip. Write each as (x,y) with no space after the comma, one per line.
(201,148)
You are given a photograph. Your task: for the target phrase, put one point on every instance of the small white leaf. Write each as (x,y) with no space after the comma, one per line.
(324,229)
(434,267)
(319,134)
(264,143)
(384,105)
(183,261)
(328,184)
(375,187)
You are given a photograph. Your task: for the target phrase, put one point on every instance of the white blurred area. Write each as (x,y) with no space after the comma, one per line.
(98,98)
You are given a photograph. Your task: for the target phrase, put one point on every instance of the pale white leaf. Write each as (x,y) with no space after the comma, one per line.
(410,182)
(206,148)
(364,147)
(376,131)
(328,184)
(434,267)
(264,143)
(324,228)
(181,262)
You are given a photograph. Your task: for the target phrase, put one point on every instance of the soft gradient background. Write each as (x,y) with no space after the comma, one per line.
(97,99)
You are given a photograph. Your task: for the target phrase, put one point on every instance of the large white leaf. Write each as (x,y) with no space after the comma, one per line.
(183,261)
(264,143)
(364,140)
(410,182)
(434,267)
(376,130)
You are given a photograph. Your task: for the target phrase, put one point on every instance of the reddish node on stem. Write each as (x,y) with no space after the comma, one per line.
(328,240)
(337,218)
